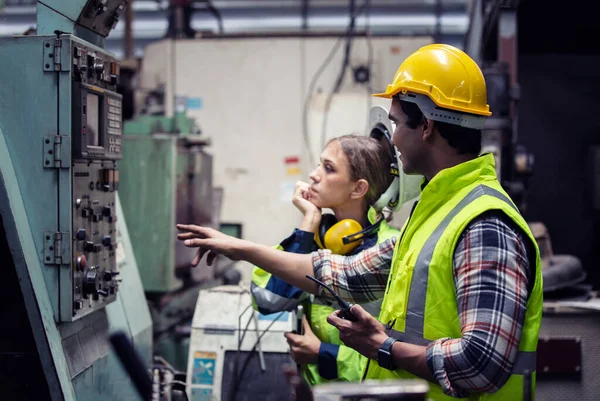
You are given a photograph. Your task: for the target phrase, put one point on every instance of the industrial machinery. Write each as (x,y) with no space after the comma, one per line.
(167,178)
(71,274)
(235,352)
(514,164)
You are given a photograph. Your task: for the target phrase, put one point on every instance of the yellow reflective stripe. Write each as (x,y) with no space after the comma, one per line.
(415,310)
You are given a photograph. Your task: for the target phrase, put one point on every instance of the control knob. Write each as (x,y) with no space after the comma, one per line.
(90,281)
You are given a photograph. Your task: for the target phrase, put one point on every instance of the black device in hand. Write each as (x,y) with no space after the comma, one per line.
(344,306)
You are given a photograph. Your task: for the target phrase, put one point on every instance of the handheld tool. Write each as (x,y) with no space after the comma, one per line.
(344,306)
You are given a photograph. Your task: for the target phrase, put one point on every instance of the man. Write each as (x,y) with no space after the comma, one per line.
(461,286)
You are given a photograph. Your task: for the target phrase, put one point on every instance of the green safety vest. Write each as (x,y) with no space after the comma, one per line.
(350,364)
(420,301)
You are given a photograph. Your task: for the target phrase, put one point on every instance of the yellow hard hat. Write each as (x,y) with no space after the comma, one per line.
(449,78)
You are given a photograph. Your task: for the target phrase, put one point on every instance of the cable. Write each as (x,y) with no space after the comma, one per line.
(340,78)
(241,335)
(313,84)
(215,12)
(370,52)
(247,360)
(132,362)
(311,89)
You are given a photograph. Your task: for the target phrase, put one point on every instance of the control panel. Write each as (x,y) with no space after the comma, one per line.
(97,116)
(101,16)
(96,148)
(95,274)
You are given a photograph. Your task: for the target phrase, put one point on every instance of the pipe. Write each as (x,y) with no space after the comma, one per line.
(128,42)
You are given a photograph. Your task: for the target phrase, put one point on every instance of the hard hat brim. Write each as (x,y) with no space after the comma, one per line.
(384,95)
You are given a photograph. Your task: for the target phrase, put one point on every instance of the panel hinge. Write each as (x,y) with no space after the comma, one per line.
(57,151)
(56,56)
(56,248)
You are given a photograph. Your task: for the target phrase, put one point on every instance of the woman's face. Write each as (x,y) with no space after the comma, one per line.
(331,183)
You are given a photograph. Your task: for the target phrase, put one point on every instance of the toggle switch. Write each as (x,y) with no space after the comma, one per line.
(81,234)
(107,240)
(88,246)
(109,275)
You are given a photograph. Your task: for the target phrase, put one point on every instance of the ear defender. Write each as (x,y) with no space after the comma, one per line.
(331,234)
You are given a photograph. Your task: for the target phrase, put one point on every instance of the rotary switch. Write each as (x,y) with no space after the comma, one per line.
(90,281)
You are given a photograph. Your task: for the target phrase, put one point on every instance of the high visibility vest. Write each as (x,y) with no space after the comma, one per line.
(420,301)
(350,364)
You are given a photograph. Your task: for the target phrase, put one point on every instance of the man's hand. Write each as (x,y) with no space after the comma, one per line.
(304,348)
(208,240)
(365,336)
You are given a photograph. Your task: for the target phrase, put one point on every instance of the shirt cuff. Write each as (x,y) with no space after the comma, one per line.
(435,361)
(304,240)
(328,361)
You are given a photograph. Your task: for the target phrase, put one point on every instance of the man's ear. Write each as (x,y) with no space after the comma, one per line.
(360,189)
(428,127)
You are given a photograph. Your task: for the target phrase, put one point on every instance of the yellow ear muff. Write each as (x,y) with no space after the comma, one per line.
(333,236)
(328,220)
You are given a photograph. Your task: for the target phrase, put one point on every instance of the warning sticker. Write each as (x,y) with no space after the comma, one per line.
(204,367)
(202,394)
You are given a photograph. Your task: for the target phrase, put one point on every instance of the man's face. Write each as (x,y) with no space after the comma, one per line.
(407,140)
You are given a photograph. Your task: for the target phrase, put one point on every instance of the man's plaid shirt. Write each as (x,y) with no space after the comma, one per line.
(493,278)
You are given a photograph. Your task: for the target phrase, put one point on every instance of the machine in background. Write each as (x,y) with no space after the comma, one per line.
(167,178)
(568,340)
(514,164)
(71,276)
(235,352)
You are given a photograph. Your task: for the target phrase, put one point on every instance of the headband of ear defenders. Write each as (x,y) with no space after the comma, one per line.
(381,129)
(403,187)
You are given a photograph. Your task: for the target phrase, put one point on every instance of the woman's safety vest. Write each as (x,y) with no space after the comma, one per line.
(350,364)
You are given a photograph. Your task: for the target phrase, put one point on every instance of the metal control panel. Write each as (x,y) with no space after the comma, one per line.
(101,16)
(96,147)
(97,108)
(95,274)
(60,244)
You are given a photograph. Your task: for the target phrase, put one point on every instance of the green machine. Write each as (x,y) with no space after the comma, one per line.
(166,177)
(70,274)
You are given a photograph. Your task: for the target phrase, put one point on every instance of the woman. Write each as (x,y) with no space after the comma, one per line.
(353,174)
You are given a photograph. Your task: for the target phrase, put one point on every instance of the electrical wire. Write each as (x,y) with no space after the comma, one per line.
(247,360)
(241,335)
(215,12)
(368,84)
(342,73)
(313,84)
(311,89)
(369,34)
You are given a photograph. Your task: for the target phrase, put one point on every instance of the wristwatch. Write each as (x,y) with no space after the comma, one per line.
(384,354)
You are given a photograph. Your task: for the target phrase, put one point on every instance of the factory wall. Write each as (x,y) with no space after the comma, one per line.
(248,97)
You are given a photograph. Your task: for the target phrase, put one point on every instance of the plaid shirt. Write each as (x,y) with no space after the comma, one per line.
(492,279)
